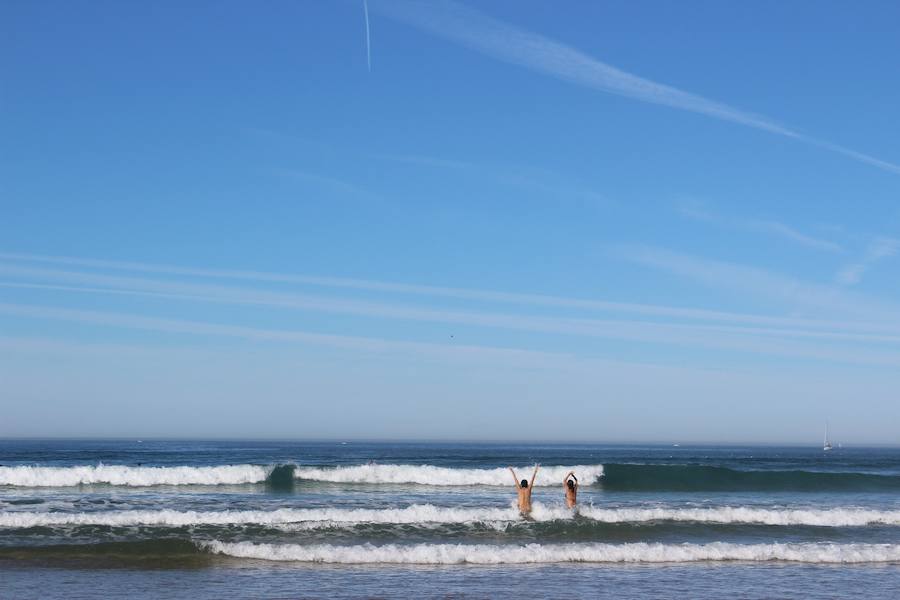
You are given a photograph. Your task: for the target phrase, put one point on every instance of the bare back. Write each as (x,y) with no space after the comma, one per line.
(570,487)
(524,499)
(523,489)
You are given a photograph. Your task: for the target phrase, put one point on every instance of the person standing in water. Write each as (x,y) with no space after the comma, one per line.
(570,486)
(523,488)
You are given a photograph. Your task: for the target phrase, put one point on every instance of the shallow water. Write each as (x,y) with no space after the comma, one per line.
(286,519)
(466,581)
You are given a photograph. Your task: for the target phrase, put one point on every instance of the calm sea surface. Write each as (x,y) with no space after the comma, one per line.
(202,519)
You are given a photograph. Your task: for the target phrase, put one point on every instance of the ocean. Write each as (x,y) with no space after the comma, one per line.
(271,519)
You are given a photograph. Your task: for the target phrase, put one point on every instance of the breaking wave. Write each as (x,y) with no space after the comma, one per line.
(27,476)
(441,554)
(613,477)
(282,475)
(444,476)
(417,513)
(428,513)
(832,517)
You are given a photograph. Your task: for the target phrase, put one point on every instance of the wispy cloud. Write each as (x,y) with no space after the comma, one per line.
(426,161)
(367,344)
(768,341)
(493,296)
(774,228)
(530,178)
(368,37)
(789,233)
(683,336)
(306,143)
(821,301)
(511,44)
(879,249)
(330,183)
(550,183)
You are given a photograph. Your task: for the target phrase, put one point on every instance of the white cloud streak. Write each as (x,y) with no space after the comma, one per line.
(514,298)
(368,38)
(511,44)
(329,183)
(512,356)
(799,295)
(789,233)
(426,161)
(768,227)
(528,178)
(879,249)
(784,348)
(629,329)
(771,341)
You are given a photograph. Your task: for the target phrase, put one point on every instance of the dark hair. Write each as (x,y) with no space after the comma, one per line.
(571,484)
(524,483)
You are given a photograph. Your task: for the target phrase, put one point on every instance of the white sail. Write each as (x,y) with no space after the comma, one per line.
(826,446)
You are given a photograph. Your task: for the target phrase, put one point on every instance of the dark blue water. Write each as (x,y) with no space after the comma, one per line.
(274,519)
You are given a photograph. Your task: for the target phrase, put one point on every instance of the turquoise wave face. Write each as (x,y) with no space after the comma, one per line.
(633,477)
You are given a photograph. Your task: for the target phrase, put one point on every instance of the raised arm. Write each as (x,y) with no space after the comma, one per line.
(534,475)
(566,478)
(515,479)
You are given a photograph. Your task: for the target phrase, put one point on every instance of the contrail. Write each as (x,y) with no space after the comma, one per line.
(368,41)
(501,41)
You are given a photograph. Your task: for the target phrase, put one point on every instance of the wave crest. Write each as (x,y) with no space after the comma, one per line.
(27,476)
(416,513)
(140,476)
(444,476)
(428,513)
(441,554)
(829,517)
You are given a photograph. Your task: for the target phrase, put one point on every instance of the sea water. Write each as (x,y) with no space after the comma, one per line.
(216,519)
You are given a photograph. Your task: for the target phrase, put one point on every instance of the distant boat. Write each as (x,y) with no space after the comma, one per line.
(826,446)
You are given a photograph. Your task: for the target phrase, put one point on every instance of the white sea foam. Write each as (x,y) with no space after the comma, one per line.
(440,554)
(830,517)
(26,476)
(417,513)
(310,518)
(444,476)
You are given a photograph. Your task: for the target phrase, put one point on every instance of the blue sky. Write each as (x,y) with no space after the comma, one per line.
(620,221)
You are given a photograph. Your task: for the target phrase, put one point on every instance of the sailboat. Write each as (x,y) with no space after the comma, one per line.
(826,446)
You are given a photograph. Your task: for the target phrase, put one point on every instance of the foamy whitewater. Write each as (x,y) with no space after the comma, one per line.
(427,513)
(33,476)
(431,475)
(189,516)
(482,554)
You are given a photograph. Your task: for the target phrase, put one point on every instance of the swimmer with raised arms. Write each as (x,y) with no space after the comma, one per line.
(523,488)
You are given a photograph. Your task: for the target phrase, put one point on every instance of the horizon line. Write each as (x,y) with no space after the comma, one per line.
(448,440)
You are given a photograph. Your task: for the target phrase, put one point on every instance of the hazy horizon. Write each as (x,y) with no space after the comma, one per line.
(711,442)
